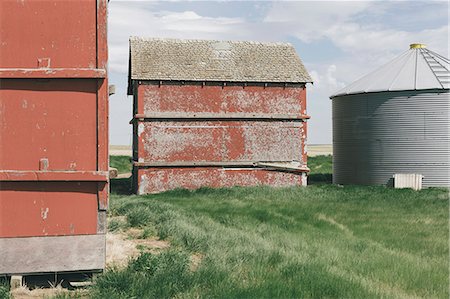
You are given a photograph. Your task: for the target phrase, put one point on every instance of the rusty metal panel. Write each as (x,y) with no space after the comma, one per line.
(153,180)
(233,127)
(53,123)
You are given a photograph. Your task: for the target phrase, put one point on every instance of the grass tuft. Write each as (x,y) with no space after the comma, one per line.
(121,163)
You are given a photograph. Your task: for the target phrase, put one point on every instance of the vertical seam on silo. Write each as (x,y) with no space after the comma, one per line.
(398,74)
(389,67)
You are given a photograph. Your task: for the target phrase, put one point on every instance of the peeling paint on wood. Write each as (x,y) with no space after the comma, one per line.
(207,123)
(195,98)
(154,180)
(221,141)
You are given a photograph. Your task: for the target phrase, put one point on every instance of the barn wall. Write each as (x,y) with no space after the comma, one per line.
(54,135)
(182,125)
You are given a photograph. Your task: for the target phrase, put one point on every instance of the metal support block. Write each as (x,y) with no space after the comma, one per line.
(408,180)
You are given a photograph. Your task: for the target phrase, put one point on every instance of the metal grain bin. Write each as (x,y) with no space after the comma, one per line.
(216,113)
(54,136)
(394,120)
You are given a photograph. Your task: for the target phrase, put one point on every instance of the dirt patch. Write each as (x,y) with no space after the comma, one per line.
(123,246)
(196,259)
(120,248)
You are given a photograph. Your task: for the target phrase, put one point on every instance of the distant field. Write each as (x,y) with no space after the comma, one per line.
(322,241)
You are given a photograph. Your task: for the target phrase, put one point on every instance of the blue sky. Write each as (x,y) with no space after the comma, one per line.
(338,41)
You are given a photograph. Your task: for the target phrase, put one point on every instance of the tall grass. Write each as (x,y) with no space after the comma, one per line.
(321,169)
(4,290)
(322,241)
(121,163)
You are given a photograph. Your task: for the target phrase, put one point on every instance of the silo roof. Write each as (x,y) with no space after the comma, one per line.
(416,69)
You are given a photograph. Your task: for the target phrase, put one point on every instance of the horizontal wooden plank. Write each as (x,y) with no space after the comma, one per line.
(202,115)
(82,176)
(286,166)
(52,73)
(283,165)
(52,254)
(154,180)
(194,163)
(229,141)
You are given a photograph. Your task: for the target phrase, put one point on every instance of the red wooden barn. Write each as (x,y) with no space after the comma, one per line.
(53,136)
(216,113)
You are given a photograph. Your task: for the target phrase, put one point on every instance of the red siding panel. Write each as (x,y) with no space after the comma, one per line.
(153,180)
(193,123)
(48,209)
(220,141)
(52,119)
(53,124)
(34,31)
(219,99)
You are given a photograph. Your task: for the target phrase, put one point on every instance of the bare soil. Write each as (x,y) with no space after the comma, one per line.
(121,246)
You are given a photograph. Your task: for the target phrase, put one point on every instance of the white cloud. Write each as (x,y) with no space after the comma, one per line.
(309,20)
(363,47)
(127,20)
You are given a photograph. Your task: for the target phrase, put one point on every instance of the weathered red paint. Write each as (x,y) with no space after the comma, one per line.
(38,210)
(153,180)
(234,123)
(220,140)
(53,118)
(220,99)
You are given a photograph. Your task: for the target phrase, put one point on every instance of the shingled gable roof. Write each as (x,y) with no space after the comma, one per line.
(211,60)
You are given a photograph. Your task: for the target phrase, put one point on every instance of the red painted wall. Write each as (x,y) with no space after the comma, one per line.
(53,117)
(235,123)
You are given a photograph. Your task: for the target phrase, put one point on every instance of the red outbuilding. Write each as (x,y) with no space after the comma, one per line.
(217,114)
(53,136)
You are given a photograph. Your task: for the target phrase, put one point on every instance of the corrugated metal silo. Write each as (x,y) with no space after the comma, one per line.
(395,120)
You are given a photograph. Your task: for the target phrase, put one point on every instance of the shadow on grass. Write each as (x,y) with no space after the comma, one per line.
(121,186)
(320,178)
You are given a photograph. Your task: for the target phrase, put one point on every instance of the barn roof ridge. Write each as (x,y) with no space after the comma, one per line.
(214,60)
(187,40)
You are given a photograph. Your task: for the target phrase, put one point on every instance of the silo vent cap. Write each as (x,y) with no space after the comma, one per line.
(417,46)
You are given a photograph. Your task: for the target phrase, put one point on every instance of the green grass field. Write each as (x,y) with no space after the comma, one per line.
(322,241)
(122,163)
